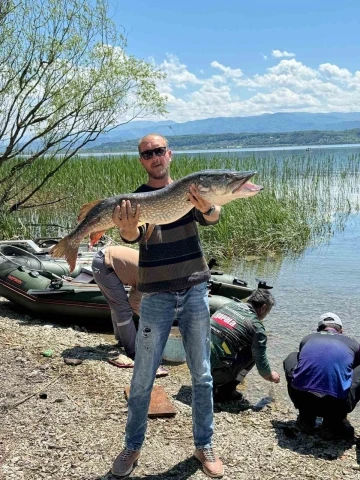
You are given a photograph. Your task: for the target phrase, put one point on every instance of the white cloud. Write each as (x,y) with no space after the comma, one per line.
(178,75)
(227,71)
(289,85)
(280,54)
(329,70)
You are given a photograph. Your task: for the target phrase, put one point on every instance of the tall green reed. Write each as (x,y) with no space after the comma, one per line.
(305,199)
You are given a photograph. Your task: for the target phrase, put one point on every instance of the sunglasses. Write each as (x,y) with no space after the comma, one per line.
(159,152)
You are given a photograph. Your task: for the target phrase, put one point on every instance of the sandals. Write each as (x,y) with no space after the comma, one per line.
(122,361)
(161,372)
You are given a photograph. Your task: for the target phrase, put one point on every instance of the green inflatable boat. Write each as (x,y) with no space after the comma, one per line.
(44,287)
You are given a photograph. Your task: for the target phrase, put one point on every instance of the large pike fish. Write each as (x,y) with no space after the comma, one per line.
(158,207)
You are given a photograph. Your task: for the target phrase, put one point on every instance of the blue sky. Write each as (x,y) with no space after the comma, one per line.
(234,58)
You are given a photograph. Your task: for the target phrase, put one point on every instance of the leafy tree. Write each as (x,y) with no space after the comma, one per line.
(65,78)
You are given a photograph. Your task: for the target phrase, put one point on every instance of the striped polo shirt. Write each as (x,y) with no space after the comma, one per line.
(172,258)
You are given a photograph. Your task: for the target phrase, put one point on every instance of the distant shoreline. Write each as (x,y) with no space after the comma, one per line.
(306,148)
(241,141)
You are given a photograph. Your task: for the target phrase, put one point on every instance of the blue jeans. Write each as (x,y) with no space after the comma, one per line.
(190,307)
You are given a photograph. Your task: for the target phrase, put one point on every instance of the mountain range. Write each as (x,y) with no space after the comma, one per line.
(266,123)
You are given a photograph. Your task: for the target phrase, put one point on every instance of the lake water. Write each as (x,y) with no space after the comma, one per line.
(324,279)
(345,149)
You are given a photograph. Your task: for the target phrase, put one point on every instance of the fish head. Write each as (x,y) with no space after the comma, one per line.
(223,186)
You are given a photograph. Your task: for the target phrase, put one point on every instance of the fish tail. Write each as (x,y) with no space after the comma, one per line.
(66,248)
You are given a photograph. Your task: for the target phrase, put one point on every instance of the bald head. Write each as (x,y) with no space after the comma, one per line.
(151,137)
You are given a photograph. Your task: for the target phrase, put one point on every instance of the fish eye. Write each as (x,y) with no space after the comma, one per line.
(202,180)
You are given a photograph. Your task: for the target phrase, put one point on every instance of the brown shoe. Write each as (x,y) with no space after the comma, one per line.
(125,462)
(212,465)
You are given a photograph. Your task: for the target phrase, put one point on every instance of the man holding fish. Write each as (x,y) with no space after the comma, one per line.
(173,277)
(161,216)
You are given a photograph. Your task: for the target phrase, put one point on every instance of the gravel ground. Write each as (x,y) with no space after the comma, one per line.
(61,421)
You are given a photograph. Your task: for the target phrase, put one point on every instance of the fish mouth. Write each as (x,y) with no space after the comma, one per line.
(240,181)
(250,189)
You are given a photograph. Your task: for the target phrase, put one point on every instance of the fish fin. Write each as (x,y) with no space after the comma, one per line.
(149,231)
(85,209)
(68,249)
(95,236)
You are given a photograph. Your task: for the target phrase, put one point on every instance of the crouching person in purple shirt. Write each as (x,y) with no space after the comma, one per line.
(324,378)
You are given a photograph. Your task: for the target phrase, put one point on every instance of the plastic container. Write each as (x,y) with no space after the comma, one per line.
(174,349)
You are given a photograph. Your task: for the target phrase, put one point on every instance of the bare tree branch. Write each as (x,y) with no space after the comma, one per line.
(65,78)
(57,200)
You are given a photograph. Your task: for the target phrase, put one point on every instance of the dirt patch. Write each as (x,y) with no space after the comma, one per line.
(63,421)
